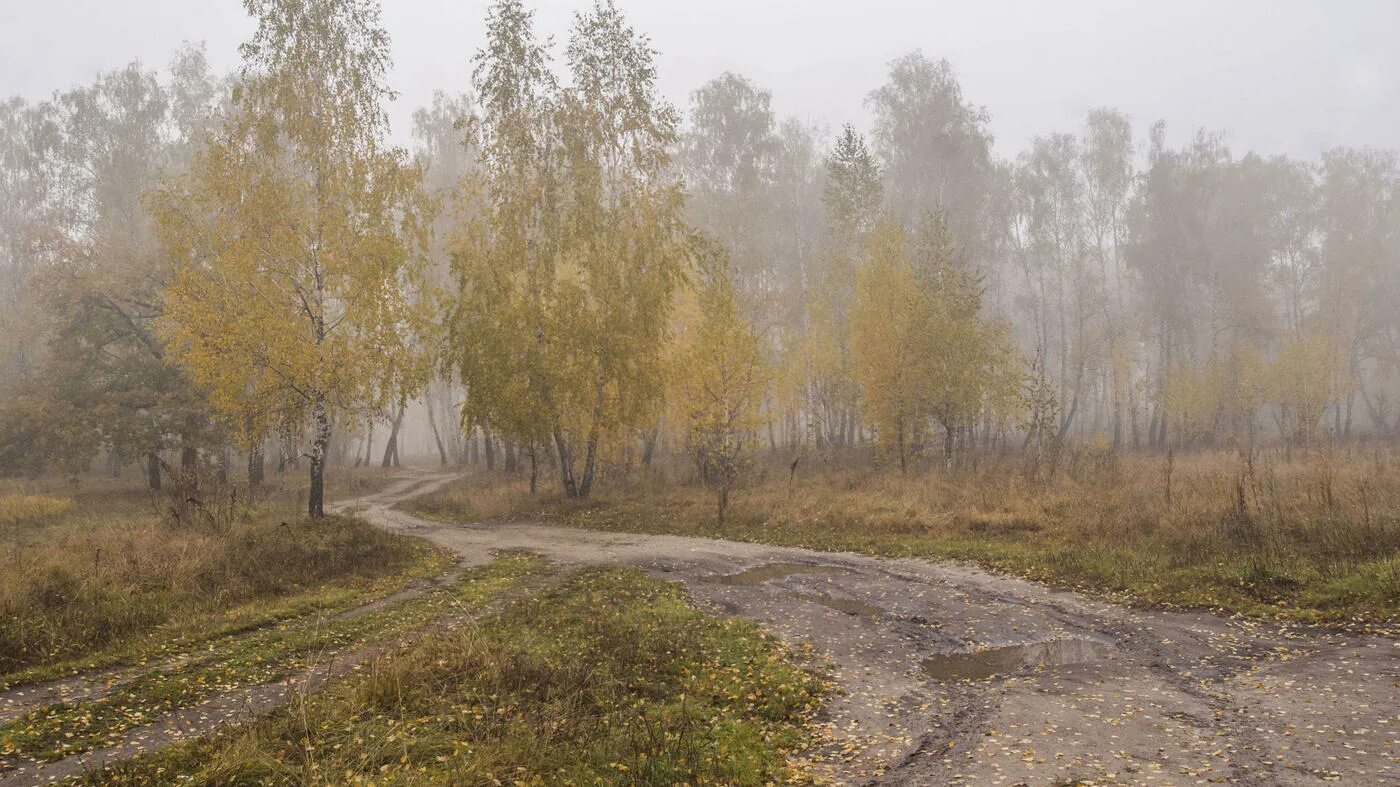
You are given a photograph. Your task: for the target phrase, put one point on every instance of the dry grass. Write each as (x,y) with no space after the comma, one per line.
(22,509)
(114,565)
(1313,537)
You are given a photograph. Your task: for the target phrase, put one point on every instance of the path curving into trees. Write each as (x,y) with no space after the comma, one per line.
(949,674)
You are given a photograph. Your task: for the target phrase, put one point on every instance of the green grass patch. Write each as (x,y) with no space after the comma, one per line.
(611,677)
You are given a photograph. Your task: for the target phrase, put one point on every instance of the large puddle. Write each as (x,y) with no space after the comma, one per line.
(770,571)
(1008,660)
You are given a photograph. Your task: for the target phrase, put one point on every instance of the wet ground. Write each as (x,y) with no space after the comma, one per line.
(948,674)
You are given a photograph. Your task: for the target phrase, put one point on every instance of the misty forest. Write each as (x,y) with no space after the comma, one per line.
(589,439)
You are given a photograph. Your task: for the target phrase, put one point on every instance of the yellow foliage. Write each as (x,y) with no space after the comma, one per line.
(1306,379)
(1229,391)
(301,237)
(924,353)
(719,378)
(568,269)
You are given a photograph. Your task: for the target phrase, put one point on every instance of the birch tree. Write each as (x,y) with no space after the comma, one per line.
(567,277)
(299,231)
(719,378)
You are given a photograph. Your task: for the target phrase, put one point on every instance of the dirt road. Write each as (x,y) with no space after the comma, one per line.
(948,674)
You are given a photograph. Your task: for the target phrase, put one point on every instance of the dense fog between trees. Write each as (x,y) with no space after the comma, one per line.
(566,274)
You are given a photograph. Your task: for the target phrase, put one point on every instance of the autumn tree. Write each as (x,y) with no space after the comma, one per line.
(890,320)
(925,356)
(719,378)
(851,198)
(799,234)
(1356,282)
(30,143)
(1305,379)
(299,233)
(567,276)
(935,150)
(502,331)
(1106,165)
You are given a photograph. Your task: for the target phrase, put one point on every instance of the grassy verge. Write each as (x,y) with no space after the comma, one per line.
(611,677)
(58,731)
(1313,538)
(115,575)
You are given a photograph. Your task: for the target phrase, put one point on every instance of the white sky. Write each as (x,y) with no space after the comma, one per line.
(1280,76)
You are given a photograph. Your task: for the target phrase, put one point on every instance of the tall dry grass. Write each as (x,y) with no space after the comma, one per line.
(1313,535)
(23,509)
(115,563)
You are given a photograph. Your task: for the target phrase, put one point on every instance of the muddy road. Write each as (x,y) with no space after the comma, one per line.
(948,674)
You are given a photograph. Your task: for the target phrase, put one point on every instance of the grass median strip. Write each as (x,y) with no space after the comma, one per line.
(610,676)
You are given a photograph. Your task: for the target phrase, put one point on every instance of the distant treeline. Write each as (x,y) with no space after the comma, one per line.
(232,265)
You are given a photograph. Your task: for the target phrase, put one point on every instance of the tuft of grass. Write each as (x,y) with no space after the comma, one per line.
(609,678)
(1304,537)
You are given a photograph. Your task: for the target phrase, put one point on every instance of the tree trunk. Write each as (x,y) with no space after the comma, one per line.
(589,461)
(1068,419)
(649,448)
(566,463)
(189,457)
(255,464)
(437,436)
(315,501)
(391,448)
(591,451)
(511,465)
(490,447)
(255,452)
(153,471)
(223,465)
(534,468)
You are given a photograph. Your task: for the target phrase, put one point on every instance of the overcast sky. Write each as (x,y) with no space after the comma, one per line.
(1279,76)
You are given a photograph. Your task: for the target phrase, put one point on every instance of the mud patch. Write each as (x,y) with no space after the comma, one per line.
(1008,660)
(767,572)
(849,606)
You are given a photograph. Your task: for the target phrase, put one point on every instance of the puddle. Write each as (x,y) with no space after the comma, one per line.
(769,571)
(989,663)
(849,606)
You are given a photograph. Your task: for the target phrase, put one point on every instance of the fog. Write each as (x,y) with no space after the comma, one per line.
(1284,76)
(403,388)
